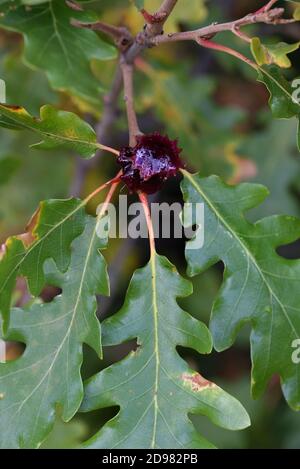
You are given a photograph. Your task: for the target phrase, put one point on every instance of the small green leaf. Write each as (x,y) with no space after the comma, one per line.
(284,100)
(58,128)
(259,286)
(53,228)
(52,44)
(48,373)
(153,386)
(273,53)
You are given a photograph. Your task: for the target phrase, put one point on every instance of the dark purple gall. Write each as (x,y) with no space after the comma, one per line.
(146,166)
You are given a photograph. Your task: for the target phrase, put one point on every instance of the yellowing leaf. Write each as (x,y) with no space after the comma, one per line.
(59,223)
(57,128)
(243,168)
(296,14)
(273,53)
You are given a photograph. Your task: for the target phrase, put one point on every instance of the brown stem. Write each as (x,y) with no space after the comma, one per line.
(143,39)
(104,127)
(140,43)
(213,45)
(151,35)
(273,16)
(120,35)
(163,13)
(74,5)
(127,60)
(133,126)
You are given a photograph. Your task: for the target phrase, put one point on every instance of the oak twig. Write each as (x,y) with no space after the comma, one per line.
(127,59)
(133,126)
(273,16)
(151,30)
(237,32)
(113,182)
(219,47)
(151,35)
(129,52)
(161,15)
(120,35)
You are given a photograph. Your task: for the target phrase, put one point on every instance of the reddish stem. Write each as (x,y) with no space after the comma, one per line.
(109,149)
(266,15)
(237,32)
(145,203)
(215,46)
(74,5)
(113,182)
(153,19)
(267,7)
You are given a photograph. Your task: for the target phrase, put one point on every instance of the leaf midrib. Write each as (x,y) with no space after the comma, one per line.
(156,345)
(57,34)
(78,297)
(53,136)
(279,85)
(244,247)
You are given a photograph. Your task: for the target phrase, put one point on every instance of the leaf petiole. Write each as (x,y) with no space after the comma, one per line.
(215,46)
(112,182)
(145,203)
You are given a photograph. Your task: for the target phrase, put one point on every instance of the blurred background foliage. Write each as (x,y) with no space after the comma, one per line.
(219,113)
